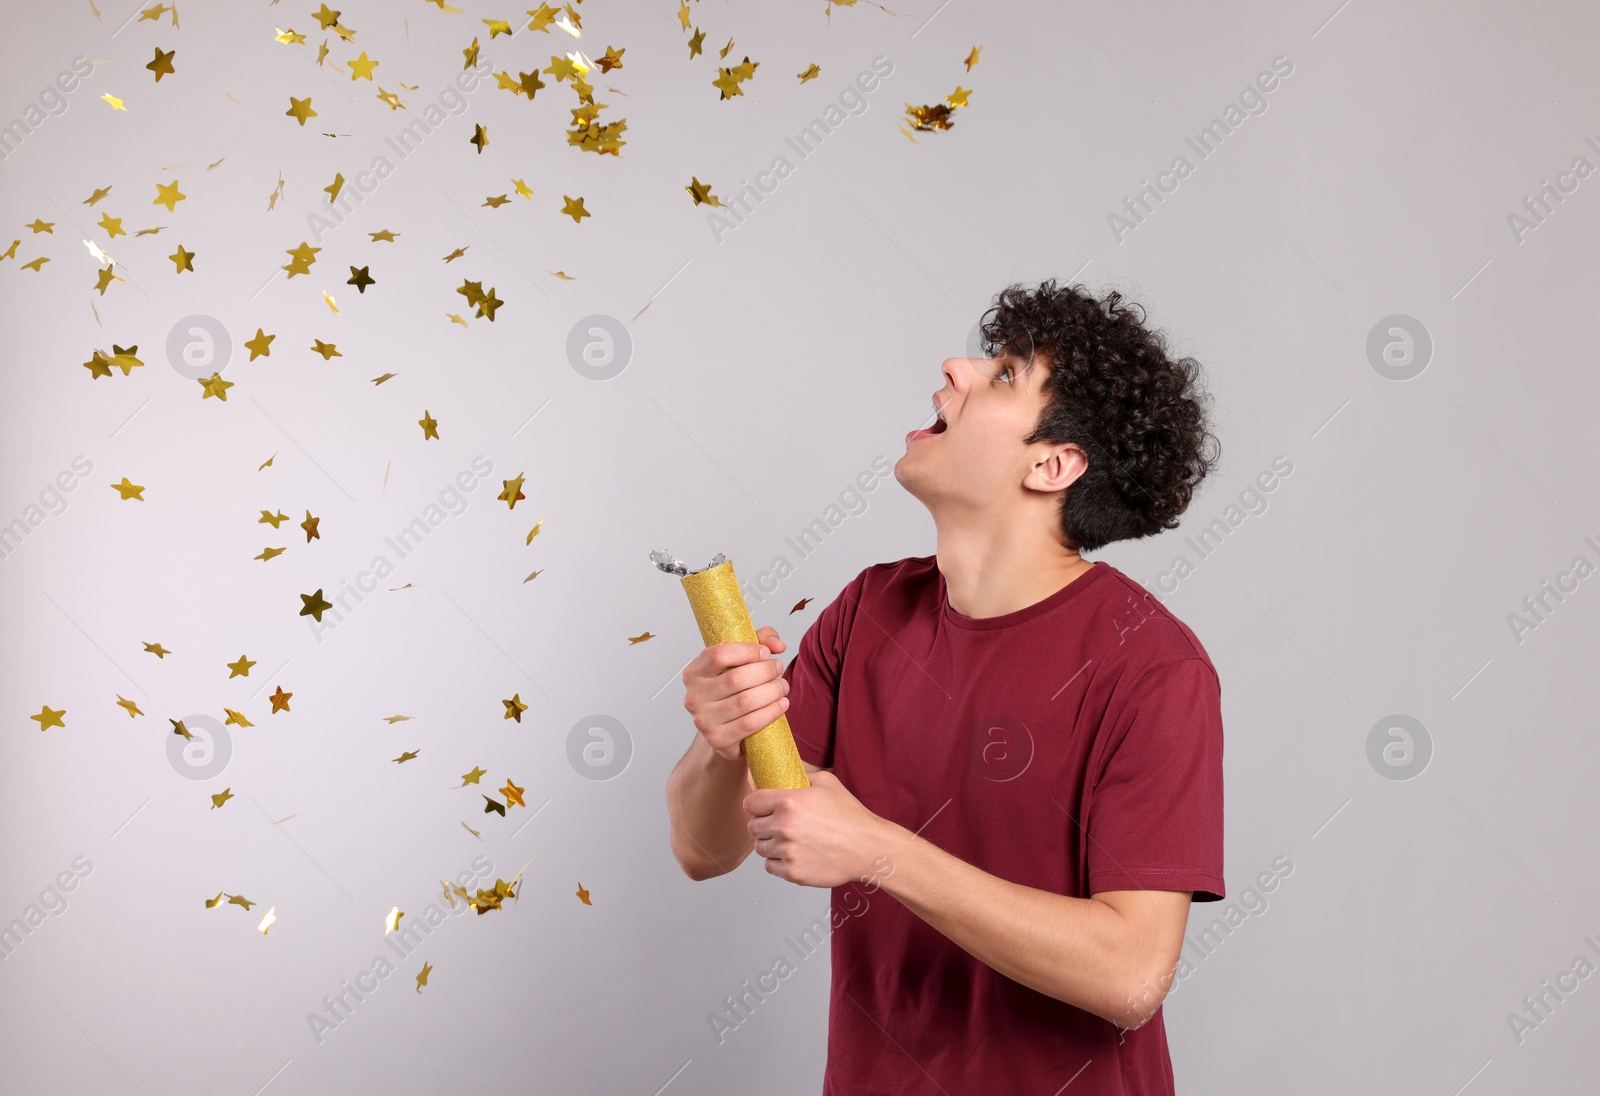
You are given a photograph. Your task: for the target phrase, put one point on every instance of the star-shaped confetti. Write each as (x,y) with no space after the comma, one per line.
(261,345)
(214,385)
(472,777)
(168,195)
(221,797)
(157,650)
(129,490)
(240,668)
(361,279)
(310,527)
(430,427)
(314,606)
(183,259)
(162,65)
(300,109)
(280,700)
(49,717)
(574,209)
(514,707)
(132,708)
(513,491)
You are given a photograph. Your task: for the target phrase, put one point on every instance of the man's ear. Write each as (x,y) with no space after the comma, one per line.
(1060,469)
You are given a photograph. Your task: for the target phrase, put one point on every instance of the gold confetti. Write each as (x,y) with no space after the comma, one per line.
(533,532)
(583,895)
(392,921)
(427,968)
(49,717)
(129,490)
(280,700)
(641,637)
(514,707)
(405,756)
(221,797)
(133,709)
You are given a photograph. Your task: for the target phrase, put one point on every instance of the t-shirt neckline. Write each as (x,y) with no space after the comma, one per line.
(1018,616)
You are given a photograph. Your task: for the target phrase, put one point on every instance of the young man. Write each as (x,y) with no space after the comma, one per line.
(1021,748)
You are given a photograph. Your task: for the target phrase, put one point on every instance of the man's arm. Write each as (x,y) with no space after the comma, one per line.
(1112,954)
(705,796)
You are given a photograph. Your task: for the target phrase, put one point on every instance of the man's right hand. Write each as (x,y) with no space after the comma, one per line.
(734,689)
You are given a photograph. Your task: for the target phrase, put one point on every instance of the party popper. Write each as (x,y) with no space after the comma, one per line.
(720,610)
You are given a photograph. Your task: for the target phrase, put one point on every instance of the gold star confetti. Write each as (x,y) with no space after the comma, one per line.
(406,756)
(328,300)
(280,700)
(328,351)
(383,234)
(162,65)
(124,358)
(513,794)
(583,895)
(261,345)
(488,303)
(157,650)
(514,707)
(314,606)
(237,718)
(496,202)
(112,226)
(129,490)
(269,518)
(289,37)
(391,923)
(301,260)
(105,278)
(810,73)
(310,527)
(221,797)
(240,668)
(393,719)
(267,920)
(333,188)
(133,709)
(49,717)
(274,456)
(472,777)
(168,195)
(233,900)
(513,491)
(533,532)
(39,226)
(116,104)
(183,259)
(300,109)
(972,58)
(269,553)
(361,68)
(701,193)
(361,279)
(385,377)
(492,805)
(430,427)
(533,575)
(640,638)
(474,833)
(179,729)
(99,192)
(422,975)
(214,385)
(574,209)
(480,137)
(456,254)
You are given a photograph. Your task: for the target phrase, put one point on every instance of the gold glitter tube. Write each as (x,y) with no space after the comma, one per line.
(720,610)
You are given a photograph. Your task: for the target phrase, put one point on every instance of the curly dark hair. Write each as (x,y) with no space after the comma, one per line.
(1139,414)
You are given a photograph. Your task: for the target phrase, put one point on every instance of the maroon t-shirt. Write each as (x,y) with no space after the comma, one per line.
(1074,746)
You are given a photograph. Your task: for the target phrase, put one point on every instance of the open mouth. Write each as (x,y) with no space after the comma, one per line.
(939,426)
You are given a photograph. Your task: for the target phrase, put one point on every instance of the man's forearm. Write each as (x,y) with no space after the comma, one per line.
(710,830)
(1077,950)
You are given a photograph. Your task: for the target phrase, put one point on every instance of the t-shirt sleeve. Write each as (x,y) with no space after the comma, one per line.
(813,676)
(1155,813)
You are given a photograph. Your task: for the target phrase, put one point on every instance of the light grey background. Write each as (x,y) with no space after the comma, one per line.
(772,368)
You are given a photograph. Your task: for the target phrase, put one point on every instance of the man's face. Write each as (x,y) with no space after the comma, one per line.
(979,460)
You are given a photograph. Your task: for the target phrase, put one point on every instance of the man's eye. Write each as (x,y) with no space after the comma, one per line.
(1004,370)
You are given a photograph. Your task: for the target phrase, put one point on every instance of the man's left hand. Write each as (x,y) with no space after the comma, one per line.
(819,836)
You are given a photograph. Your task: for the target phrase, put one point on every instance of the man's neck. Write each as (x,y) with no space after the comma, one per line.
(990,573)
